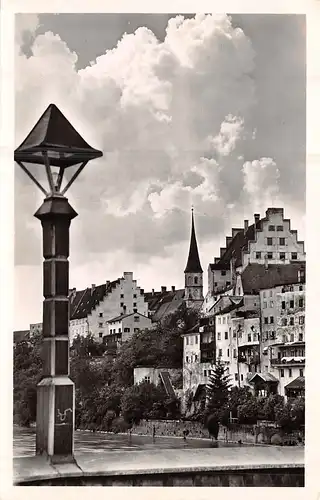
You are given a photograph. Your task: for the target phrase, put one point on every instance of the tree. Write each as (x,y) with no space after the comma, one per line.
(218,391)
(144,400)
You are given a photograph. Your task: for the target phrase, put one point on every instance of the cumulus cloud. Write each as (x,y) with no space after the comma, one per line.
(173,118)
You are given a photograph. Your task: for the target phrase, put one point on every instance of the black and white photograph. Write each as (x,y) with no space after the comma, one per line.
(160,249)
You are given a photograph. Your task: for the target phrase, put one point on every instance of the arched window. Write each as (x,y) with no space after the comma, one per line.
(190,280)
(196,280)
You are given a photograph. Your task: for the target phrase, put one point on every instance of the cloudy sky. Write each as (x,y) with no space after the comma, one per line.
(203,110)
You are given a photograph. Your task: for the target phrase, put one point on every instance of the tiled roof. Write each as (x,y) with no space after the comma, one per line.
(20,335)
(193,263)
(86,300)
(163,303)
(122,316)
(297,383)
(257,277)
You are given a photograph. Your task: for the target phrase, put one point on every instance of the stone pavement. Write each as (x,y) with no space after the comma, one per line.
(123,462)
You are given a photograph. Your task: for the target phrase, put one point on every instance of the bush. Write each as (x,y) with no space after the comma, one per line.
(119,425)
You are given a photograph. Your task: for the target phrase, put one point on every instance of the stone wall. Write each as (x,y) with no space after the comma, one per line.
(263,433)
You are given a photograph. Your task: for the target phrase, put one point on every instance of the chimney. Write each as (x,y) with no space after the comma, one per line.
(256,219)
(163,289)
(152,291)
(141,291)
(246,225)
(93,285)
(108,282)
(173,288)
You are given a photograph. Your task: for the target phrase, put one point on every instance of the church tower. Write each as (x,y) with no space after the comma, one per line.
(193,273)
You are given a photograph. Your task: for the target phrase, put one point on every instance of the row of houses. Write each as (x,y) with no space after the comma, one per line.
(252,317)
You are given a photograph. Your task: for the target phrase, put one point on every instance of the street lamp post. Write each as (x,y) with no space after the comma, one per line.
(53,144)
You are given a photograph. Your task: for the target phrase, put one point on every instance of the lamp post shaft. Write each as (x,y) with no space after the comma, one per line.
(55,391)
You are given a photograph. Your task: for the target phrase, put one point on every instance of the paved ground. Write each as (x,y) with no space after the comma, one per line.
(87,442)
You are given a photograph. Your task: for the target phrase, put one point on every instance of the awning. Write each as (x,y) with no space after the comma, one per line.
(297,383)
(201,389)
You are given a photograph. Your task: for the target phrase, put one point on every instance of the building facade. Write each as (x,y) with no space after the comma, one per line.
(193,273)
(92,308)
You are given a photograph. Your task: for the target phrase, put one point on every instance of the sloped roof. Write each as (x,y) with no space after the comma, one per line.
(86,300)
(20,335)
(122,316)
(53,132)
(265,376)
(238,243)
(163,303)
(297,383)
(193,263)
(256,277)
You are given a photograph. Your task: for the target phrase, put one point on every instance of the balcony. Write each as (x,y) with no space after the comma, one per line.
(288,360)
(253,359)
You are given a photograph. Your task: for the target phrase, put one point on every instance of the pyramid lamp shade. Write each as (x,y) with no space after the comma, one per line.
(54,143)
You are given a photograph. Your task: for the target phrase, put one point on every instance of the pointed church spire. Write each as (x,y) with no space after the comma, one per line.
(193,264)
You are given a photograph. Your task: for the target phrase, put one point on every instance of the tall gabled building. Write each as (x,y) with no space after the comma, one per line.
(193,273)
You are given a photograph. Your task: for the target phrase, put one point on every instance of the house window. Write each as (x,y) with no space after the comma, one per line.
(100,334)
(301,372)
(196,357)
(291,304)
(271,228)
(301,320)
(241,376)
(187,359)
(265,305)
(282,242)
(271,304)
(291,337)
(290,372)
(300,338)
(300,288)
(100,315)
(223,273)
(135,310)
(228,283)
(271,319)
(224,320)
(291,320)
(234,334)
(264,294)
(284,321)
(215,283)
(121,304)
(239,291)
(100,325)
(294,256)
(269,242)
(269,255)
(282,256)
(272,335)
(300,302)
(228,353)
(219,321)
(220,353)
(119,330)
(283,304)
(234,353)
(121,296)
(136,330)
(205,373)
(134,304)
(196,339)
(236,376)
(219,335)
(266,320)
(279,228)
(147,379)
(134,295)
(136,319)
(191,340)
(282,372)
(187,340)
(226,335)
(126,330)
(249,337)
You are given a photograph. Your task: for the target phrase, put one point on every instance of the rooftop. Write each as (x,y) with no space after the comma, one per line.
(84,301)
(193,263)
(256,277)
(123,316)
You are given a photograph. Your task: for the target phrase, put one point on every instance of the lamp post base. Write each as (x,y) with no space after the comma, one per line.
(55,418)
